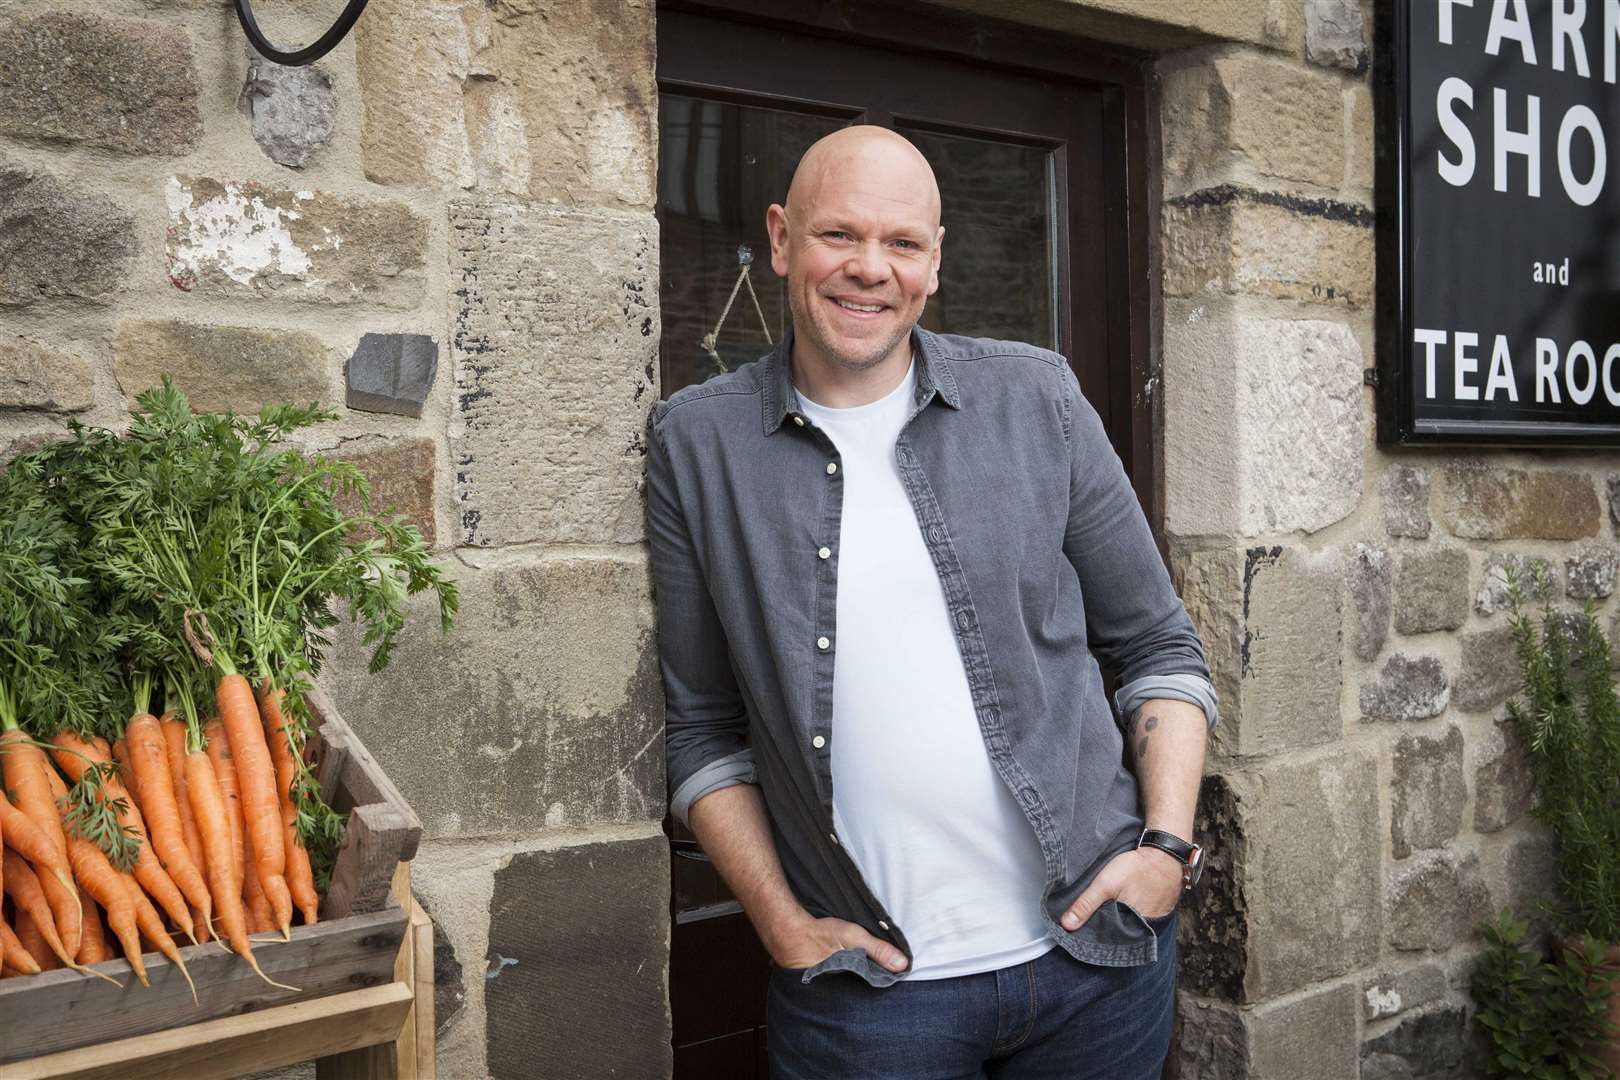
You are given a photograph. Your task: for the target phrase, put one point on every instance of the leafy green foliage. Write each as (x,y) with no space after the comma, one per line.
(1543,1017)
(91,813)
(1569,719)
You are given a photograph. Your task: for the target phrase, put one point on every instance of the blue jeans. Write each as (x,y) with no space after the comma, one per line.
(1051,1018)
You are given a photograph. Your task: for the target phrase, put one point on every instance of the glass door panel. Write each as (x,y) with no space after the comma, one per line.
(998,275)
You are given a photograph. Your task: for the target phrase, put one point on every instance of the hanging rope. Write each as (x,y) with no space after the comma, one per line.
(745,262)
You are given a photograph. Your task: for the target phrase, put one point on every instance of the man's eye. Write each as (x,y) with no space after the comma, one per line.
(836,235)
(907,243)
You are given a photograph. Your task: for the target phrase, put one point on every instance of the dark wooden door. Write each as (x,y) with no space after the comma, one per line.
(1045,241)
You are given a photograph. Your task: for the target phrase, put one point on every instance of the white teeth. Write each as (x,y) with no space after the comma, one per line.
(859,307)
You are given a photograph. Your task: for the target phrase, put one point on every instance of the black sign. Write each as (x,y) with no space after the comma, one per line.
(1499,223)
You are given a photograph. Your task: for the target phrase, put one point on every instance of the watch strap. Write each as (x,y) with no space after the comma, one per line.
(1190,855)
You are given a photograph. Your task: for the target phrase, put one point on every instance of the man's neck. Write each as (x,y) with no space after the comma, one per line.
(837,388)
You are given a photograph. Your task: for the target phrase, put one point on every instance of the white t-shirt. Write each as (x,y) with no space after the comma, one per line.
(917,802)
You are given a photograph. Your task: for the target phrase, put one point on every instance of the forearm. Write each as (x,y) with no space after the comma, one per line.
(1167,742)
(736,835)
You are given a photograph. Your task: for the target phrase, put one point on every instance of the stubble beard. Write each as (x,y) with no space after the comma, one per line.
(810,326)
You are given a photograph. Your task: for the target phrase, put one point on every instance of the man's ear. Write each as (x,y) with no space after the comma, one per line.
(776,227)
(933,275)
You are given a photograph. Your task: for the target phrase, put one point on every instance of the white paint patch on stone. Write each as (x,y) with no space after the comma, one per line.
(237,234)
(1382,1002)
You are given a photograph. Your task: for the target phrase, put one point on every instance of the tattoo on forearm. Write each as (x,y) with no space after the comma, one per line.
(1144,726)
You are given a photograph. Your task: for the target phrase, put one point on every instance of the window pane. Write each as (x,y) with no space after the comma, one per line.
(997,275)
(719,167)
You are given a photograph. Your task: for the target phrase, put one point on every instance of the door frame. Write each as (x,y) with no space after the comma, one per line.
(1129,84)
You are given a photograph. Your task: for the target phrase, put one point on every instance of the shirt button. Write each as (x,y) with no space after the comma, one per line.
(797,419)
(832,467)
(833,837)
(823,643)
(818,742)
(883,924)
(825,552)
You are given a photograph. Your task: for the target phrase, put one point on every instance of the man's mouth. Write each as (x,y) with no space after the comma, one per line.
(859,309)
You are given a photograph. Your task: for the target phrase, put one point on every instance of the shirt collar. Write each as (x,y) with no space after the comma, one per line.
(781,398)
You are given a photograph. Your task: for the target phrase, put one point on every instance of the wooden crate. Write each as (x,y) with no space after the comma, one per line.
(354,947)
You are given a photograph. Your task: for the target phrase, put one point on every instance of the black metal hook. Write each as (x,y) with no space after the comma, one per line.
(309,53)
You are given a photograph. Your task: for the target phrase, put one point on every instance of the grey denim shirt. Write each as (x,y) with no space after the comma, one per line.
(1047,566)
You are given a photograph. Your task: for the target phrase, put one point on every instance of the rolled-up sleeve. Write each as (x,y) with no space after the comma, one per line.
(1135,622)
(705,722)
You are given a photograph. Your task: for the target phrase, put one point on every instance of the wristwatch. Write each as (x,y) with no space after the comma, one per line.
(1191,856)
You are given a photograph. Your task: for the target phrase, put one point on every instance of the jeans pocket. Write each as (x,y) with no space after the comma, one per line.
(1156,923)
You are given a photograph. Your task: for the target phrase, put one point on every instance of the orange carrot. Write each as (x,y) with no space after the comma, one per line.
(208,805)
(149,762)
(259,915)
(300,874)
(32,936)
(24,767)
(30,841)
(219,756)
(93,946)
(26,893)
(71,754)
(14,954)
(151,926)
(256,777)
(174,741)
(107,887)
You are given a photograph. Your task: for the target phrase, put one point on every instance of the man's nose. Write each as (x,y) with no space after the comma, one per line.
(867,263)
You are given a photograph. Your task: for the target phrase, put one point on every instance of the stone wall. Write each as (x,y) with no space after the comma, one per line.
(444,229)
(1366,803)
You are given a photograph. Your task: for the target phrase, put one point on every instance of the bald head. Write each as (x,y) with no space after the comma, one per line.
(868,159)
(859,244)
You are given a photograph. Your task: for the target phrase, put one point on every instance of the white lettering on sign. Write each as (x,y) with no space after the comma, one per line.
(1575,371)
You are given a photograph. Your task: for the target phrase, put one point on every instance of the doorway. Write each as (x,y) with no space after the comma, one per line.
(1041,149)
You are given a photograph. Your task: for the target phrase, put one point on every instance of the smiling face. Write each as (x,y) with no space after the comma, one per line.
(859,244)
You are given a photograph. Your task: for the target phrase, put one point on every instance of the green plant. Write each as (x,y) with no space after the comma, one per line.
(1542,1017)
(1569,721)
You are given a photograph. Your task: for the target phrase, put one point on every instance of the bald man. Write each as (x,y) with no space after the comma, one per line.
(888,563)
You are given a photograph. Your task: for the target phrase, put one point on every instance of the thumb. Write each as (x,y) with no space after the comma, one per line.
(1084,906)
(884,953)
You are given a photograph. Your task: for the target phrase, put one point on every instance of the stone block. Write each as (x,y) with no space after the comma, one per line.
(1590,572)
(120,84)
(1336,34)
(1529,878)
(1312,846)
(555,348)
(454,97)
(38,376)
(1435,901)
(1407,688)
(1428,1045)
(1524,569)
(578,939)
(1390,993)
(1231,239)
(1404,492)
(1361,119)
(241,238)
(548,690)
(1431,590)
(1310,1038)
(1370,574)
(1245,111)
(400,473)
(1213,927)
(58,242)
(222,367)
(1264,430)
(1503,786)
(291,109)
(1482,502)
(1270,620)
(1614,502)
(1488,673)
(1429,792)
(391,373)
